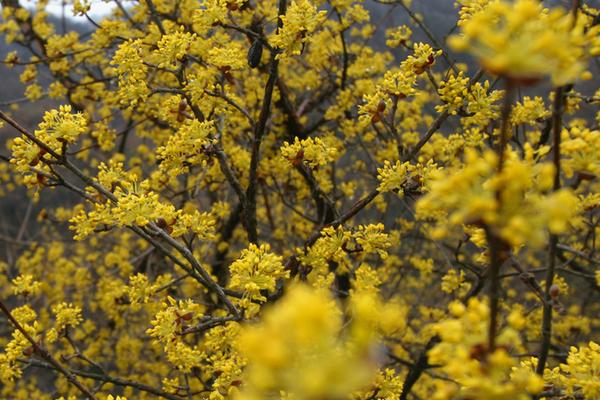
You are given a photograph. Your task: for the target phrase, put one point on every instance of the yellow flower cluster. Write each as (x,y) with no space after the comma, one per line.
(300,20)
(529,111)
(18,346)
(481,105)
(452,92)
(167,327)
(186,148)
(514,204)
(423,58)
(399,36)
(213,12)
(393,177)
(132,71)
(525,42)
(135,204)
(314,152)
(140,289)
(26,285)
(67,316)
(80,7)
(230,170)
(58,127)
(463,349)
(256,270)
(405,177)
(172,47)
(399,83)
(309,353)
(581,147)
(455,282)
(468,8)
(579,375)
(338,245)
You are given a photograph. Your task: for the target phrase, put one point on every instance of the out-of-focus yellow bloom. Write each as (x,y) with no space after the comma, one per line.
(523,41)
(309,354)
(581,149)
(522,213)
(399,36)
(455,282)
(26,285)
(463,350)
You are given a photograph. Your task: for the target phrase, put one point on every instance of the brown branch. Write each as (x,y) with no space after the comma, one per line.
(418,368)
(230,175)
(250,206)
(207,324)
(557,111)
(154,16)
(496,245)
(578,253)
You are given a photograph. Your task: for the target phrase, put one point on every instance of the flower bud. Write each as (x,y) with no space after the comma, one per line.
(554,291)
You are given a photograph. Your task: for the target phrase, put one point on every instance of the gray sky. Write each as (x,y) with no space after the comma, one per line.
(98,8)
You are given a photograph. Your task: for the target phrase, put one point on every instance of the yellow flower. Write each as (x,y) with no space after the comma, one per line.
(581,149)
(18,346)
(186,148)
(454,281)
